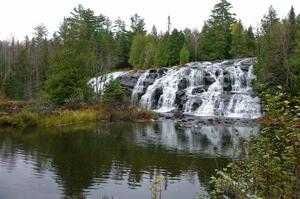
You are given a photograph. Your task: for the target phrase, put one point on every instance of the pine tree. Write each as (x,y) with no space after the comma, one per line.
(269,19)
(136,57)
(184,55)
(294,63)
(123,44)
(215,42)
(41,58)
(275,67)
(150,51)
(238,45)
(10,85)
(175,44)
(292,29)
(162,53)
(23,75)
(250,42)
(68,82)
(137,24)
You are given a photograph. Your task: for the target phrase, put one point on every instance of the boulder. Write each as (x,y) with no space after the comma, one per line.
(208,79)
(196,105)
(183,84)
(245,65)
(244,81)
(129,80)
(227,85)
(180,99)
(147,82)
(217,73)
(153,74)
(162,71)
(199,89)
(157,93)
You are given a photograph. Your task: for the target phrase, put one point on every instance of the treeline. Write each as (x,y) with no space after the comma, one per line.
(88,45)
(279,51)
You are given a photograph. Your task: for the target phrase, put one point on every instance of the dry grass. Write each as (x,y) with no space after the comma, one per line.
(67,117)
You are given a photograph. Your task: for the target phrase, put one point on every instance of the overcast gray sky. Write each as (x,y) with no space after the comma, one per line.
(18,17)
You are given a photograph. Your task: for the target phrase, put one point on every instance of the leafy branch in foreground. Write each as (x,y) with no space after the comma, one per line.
(272,167)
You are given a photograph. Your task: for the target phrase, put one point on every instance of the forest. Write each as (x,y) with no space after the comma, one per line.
(57,68)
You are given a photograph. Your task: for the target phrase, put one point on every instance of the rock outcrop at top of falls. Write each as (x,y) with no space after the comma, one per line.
(220,89)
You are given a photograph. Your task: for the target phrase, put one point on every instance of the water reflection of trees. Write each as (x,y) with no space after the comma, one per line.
(83,155)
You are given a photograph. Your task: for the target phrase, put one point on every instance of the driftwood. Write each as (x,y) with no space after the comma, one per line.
(3,113)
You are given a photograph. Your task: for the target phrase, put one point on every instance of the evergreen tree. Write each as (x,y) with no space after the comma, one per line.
(250,42)
(41,58)
(215,42)
(136,57)
(238,45)
(292,29)
(9,85)
(154,32)
(162,53)
(113,94)
(269,19)
(294,63)
(275,67)
(150,51)
(137,24)
(123,44)
(68,81)
(175,44)
(184,55)
(23,76)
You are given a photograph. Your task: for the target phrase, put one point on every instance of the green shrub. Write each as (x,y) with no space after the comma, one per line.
(272,168)
(113,93)
(22,119)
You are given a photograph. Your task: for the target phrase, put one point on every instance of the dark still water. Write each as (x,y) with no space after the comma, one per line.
(114,159)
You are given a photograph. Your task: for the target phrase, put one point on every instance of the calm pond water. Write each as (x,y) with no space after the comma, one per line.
(115,159)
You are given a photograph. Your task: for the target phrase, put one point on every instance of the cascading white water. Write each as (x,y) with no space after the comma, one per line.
(208,89)
(99,82)
(168,83)
(139,87)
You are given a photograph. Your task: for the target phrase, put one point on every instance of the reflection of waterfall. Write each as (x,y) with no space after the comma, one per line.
(209,140)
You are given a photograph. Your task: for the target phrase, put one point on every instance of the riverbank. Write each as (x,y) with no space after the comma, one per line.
(25,114)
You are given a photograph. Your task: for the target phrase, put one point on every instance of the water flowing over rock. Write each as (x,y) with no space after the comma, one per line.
(209,89)
(98,83)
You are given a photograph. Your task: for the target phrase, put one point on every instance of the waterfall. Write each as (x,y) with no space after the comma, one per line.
(221,89)
(99,82)
(204,89)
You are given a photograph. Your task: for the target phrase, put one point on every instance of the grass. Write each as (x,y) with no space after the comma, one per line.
(67,117)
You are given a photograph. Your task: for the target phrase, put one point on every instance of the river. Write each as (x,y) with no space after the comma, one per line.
(115,159)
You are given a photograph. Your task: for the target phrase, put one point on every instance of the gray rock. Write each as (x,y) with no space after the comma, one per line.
(183,84)
(148,82)
(199,89)
(129,80)
(227,83)
(196,105)
(208,79)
